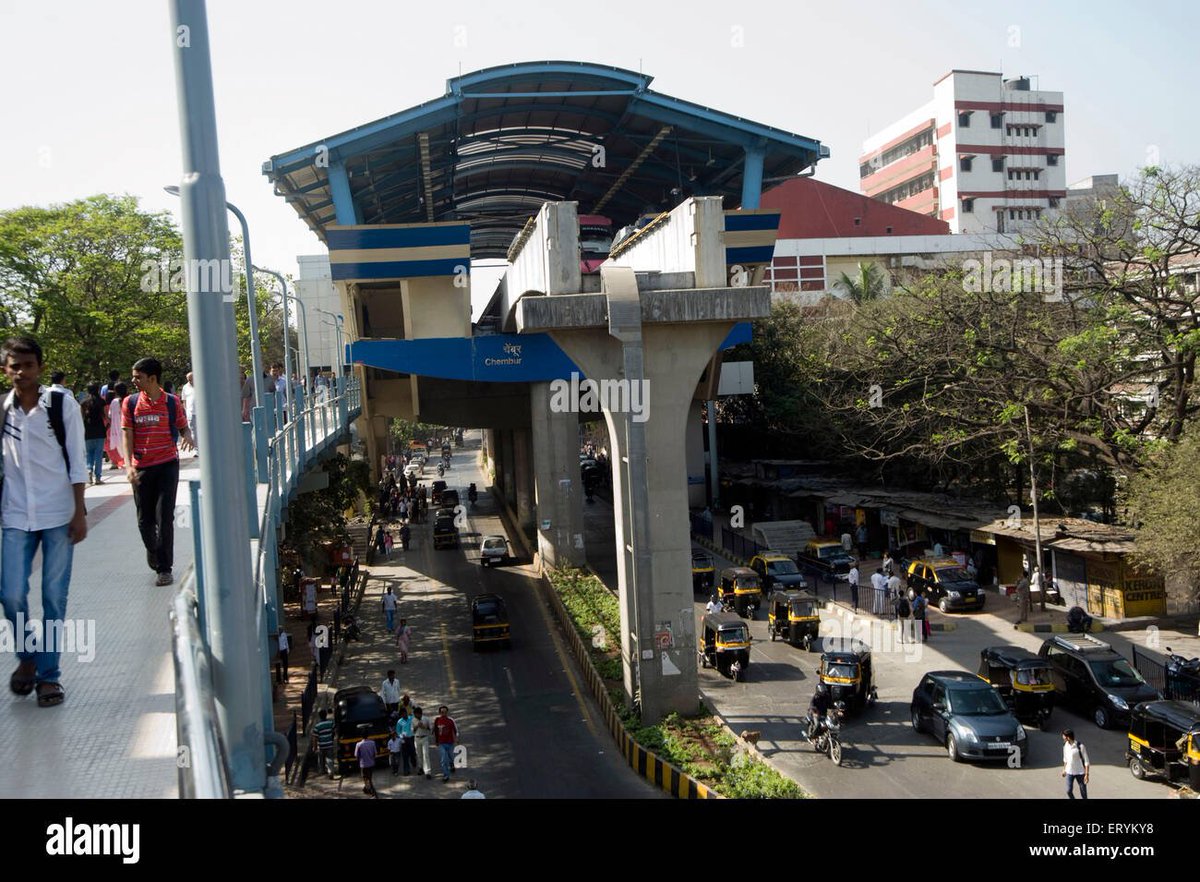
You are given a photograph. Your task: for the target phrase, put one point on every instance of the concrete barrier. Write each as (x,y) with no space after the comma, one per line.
(1053,628)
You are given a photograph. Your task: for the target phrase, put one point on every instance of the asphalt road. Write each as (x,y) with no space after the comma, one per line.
(528,726)
(883,757)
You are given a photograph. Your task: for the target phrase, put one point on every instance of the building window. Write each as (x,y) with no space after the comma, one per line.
(1051,116)
(964,163)
(968,206)
(1012,215)
(998,164)
(997,120)
(1054,202)
(964,120)
(858,221)
(889,229)
(1052,159)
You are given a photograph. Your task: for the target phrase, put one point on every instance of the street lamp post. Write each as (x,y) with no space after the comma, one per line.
(287,352)
(307,359)
(336,324)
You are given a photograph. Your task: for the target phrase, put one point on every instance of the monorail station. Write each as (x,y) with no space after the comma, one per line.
(541,163)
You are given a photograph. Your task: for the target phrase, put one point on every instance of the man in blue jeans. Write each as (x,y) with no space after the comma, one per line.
(42,505)
(445,733)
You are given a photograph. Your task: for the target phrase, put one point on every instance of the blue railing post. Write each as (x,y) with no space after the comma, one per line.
(258,418)
(197,545)
(251,485)
(299,420)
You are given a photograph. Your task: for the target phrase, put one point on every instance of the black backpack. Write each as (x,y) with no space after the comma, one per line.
(56,424)
(903,610)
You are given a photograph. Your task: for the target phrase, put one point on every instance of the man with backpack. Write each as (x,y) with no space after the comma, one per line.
(44,473)
(903,611)
(151,422)
(920,612)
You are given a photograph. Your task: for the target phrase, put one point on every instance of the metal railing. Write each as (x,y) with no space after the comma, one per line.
(739,545)
(279,463)
(1153,666)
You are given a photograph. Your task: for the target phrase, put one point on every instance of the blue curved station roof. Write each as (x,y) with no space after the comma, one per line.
(503,140)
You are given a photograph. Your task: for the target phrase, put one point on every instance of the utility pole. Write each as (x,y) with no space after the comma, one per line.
(1037,524)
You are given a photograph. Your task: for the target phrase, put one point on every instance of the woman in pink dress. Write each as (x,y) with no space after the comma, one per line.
(403,632)
(112,443)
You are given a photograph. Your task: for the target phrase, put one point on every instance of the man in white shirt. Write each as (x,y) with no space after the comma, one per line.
(390,692)
(187,393)
(42,504)
(879,583)
(389,608)
(852,581)
(1076,767)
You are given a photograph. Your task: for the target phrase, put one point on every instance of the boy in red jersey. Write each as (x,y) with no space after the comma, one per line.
(152,461)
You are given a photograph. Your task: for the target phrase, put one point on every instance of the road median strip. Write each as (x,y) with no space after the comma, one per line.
(700,753)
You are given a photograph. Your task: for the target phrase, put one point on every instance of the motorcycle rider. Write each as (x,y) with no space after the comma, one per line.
(821,702)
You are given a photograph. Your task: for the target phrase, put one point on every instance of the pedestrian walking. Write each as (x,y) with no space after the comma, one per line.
(403,635)
(285,646)
(879,585)
(95,430)
(365,752)
(889,565)
(920,612)
(1076,766)
(473,791)
(388,544)
(445,733)
(405,534)
(187,394)
(421,735)
(390,692)
(115,442)
(404,728)
(1023,599)
(852,581)
(860,537)
(393,747)
(323,735)
(902,610)
(389,608)
(380,542)
(43,463)
(152,421)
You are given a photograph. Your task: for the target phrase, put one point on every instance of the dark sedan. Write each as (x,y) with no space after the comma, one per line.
(966,715)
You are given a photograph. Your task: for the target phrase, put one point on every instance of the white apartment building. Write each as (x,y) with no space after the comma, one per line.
(315,290)
(986,155)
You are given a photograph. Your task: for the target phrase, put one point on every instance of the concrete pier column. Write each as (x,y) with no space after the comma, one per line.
(508,468)
(694,447)
(557,485)
(523,481)
(657,618)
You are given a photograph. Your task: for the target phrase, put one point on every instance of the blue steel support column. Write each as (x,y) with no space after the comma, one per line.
(228,572)
(752,177)
(251,488)
(343,202)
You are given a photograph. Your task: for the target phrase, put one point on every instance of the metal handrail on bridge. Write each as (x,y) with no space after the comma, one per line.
(278,462)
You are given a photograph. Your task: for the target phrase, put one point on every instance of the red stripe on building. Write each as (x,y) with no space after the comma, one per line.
(1007,106)
(924,202)
(1002,149)
(947,214)
(912,166)
(945,173)
(943,131)
(927,124)
(1012,194)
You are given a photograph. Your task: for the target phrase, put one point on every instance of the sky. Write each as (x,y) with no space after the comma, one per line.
(88,101)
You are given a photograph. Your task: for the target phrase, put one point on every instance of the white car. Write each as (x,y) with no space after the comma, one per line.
(493,550)
(414,469)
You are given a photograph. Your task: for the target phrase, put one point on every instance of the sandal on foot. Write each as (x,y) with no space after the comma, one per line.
(50,694)
(23,678)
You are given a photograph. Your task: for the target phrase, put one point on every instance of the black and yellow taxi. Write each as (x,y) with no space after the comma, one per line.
(794,616)
(703,571)
(777,570)
(943,581)
(489,621)
(741,588)
(1164,742)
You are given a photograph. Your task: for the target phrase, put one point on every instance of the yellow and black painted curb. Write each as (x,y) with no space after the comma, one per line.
(717,549)
(646,763)
(1053,628)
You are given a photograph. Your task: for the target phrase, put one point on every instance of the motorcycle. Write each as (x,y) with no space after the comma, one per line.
(441,470)
(735,671)
(828,739)
(1182,677)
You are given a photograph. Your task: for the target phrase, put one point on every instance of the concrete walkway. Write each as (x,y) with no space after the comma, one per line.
(114,736)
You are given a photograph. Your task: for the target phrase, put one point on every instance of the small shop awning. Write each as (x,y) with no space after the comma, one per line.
(939,521)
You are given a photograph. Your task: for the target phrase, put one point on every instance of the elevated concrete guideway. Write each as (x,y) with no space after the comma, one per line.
(504,164)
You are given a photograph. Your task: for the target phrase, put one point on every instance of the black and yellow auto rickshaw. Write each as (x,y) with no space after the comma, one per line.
(703,571)
(1164,741)
(847,670)
(742,588)
(795,616)
(724,644)
(1023,680)
(489,621)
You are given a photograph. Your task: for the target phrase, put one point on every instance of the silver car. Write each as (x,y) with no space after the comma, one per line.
(493,550)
